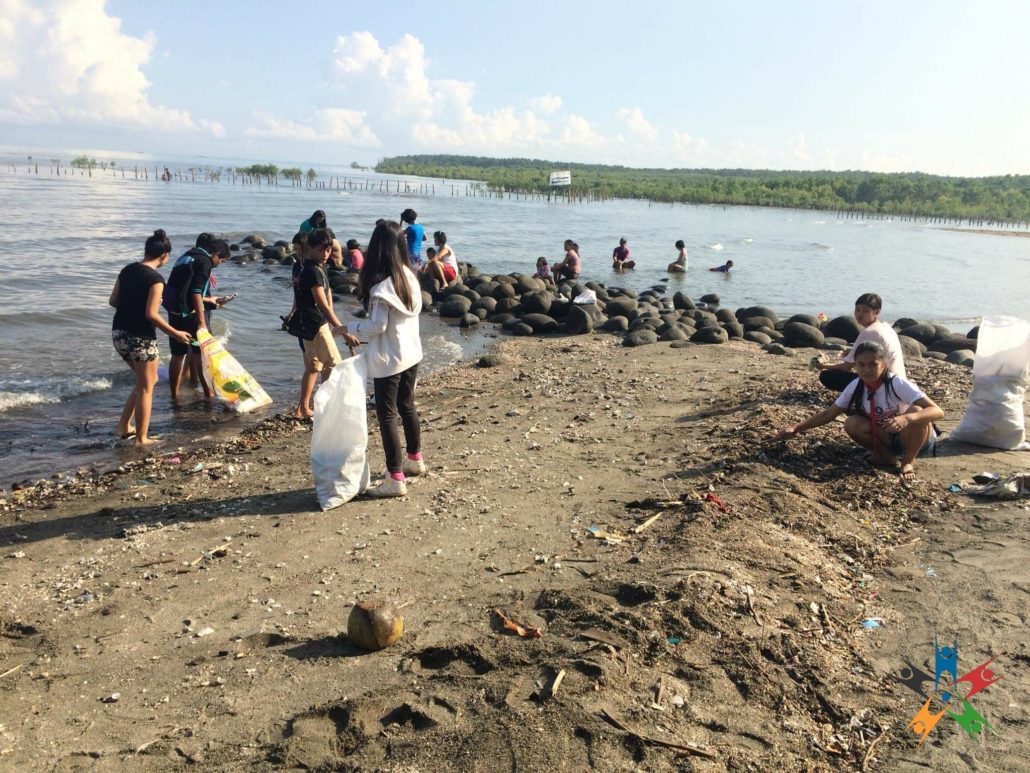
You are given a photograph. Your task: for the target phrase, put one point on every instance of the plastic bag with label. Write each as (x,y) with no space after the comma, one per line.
(339,437)
(230,380)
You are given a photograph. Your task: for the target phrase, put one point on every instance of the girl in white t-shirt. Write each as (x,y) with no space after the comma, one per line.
(887,414)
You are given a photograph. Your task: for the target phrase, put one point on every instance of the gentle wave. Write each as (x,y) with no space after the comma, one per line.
(747,240)
(715,246)
(35,394)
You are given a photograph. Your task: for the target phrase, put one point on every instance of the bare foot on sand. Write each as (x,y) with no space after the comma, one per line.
(148,441)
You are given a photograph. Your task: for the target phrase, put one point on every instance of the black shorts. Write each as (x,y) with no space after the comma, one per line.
(567,273)
(179,322)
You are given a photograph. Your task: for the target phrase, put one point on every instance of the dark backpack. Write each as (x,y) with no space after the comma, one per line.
(173,299)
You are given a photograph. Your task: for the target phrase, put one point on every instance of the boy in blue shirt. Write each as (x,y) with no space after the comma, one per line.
(415,234)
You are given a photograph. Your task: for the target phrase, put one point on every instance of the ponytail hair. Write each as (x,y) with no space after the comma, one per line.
(157,245)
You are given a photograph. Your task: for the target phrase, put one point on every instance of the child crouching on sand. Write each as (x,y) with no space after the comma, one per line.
(887,414)
(391,295)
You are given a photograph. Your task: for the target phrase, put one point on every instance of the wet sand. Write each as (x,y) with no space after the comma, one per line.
(188,611)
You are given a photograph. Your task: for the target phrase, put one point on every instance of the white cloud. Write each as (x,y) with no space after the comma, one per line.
(548,104)
(579,132)
(69,61)
(633,119)
(332,124)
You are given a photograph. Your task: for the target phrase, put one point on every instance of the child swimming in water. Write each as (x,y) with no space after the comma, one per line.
(724,268)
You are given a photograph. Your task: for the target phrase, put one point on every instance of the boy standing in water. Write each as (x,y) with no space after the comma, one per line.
(315,314)
(184,299)
(415,235)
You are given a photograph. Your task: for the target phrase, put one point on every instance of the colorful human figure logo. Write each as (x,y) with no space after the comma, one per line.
(949,691)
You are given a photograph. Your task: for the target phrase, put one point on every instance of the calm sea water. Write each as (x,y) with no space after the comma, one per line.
(63,241)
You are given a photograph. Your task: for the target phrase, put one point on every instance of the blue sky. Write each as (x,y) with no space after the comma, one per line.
(889,86)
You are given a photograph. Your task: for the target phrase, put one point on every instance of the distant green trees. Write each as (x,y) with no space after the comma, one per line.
(1001,198)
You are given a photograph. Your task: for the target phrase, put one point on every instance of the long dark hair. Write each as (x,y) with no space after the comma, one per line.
(385,258)
(858,399)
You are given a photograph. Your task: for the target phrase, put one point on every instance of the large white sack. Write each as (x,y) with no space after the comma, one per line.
(994,417)
(339,437)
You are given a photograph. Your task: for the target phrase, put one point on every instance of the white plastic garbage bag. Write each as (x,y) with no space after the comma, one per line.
(994,417)
(339,436)
(585,297)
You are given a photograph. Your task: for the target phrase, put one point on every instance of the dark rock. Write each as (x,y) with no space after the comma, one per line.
(941,330)
(974,332)
(481,313)
(680,345)
(760,311)
(733,329)
(805,319)
(273,253)
(254,240)
(284,244)
(486,302)
(645,322)
(711,298)
(725,315)
(710,335)
(779,349)
(455,306)
(775,335)
(622,307)
(756,337)
(521,329)
(540,323)
(491,360)
(559,308)
(922,332)
(503,290)
(501,318)
(506,304)
(616,324)
(528,284)
(846,327)
(952,343)
(675,333)
(640,338)
(940,356)
(505,279)
(582,318)
(911,349)
(536,301)
(683,301)
(904,322)
(962,357)
(756,323)
(469,320)
(801,334)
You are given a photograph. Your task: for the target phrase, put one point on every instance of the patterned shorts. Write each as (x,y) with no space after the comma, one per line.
(133,348)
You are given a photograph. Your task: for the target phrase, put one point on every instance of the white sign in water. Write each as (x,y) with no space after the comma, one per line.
(561,178)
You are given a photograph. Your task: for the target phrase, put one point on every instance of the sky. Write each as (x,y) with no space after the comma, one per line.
(937,86)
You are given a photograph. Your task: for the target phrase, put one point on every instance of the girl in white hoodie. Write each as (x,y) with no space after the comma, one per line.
(392,297)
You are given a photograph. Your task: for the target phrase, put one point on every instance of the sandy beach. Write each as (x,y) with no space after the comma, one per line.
(702,597)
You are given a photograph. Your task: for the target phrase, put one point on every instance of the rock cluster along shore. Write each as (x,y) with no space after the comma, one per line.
(527,305)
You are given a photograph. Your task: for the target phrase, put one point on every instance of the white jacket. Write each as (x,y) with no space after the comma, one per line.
(391,329)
